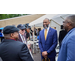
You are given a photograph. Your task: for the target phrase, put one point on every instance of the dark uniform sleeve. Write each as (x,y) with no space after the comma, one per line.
(24,54)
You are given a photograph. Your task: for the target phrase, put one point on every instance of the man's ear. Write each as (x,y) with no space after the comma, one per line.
(11,34)
(49,22)
(70,24)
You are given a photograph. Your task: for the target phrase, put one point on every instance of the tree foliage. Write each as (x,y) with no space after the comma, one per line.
(5,16)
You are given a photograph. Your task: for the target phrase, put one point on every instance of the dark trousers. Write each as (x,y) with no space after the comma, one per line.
(51,59)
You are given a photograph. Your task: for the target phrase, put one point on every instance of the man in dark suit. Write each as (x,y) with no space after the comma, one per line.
(12,50)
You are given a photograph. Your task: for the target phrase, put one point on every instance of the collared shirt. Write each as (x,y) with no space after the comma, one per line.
(13,39)
(47,30)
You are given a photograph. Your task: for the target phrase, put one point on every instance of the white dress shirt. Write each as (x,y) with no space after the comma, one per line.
(47,31)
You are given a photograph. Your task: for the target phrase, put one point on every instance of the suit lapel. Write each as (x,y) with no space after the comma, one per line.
(43,35)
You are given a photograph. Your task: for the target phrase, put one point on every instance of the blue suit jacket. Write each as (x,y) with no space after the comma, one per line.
(67,50)
(50,43)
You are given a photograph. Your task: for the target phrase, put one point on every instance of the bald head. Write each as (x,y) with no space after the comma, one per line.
(71,19)
(46,19)
(69,23)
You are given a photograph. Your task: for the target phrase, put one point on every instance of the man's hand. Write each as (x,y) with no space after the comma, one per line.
(44,54)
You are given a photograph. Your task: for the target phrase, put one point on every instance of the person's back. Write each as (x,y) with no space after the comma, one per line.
(11,49)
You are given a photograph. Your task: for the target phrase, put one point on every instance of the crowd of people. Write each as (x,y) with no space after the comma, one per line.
(14,46)
(24,31)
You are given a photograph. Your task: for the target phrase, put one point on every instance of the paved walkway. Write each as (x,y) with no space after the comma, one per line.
(37,56)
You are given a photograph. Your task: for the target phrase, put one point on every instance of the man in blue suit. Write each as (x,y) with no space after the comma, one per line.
(67,50)
(48,41)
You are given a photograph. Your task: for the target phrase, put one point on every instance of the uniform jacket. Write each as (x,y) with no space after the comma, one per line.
(11,50)
(67,50)
(50,43)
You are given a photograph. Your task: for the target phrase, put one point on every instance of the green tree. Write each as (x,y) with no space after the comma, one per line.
(5,16)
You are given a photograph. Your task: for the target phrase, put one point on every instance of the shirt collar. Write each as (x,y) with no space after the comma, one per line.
(48,28)
(12,39)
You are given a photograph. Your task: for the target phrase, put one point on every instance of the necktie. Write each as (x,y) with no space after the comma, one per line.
(45,33)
